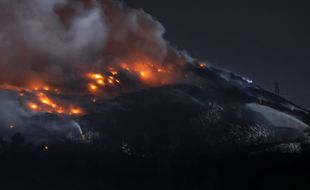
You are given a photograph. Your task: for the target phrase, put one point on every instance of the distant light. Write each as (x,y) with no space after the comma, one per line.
(46,147)
(250,81)
(100,82)
(93,88)
(33,106)
(46,88)
(202,65)
(75,111)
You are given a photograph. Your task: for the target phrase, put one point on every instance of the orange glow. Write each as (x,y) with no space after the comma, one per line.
(33,106)
(95,76)
(43,97)
(142,74)
(46,104)
(125,66)
(43,88)
(100,82)
(202,65)
(46,88)
(114,73)
(46,100)
(41,102)
(97,79)
(75,111)
(92,88)
(148,72)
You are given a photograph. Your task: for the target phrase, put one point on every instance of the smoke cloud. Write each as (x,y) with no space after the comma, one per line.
(49,39)
(55,41)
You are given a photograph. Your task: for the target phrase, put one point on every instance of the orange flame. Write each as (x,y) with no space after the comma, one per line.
(148,72)
(98,80)
(43,103)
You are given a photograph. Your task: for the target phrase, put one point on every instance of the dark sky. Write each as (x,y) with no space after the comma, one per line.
(268,41)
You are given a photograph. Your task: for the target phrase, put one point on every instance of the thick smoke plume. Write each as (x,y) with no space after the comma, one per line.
(52,41)
(55,42)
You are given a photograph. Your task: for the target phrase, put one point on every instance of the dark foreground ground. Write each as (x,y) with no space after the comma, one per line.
(70,167)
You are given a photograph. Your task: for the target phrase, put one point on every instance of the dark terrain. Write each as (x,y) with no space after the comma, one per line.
(211,132)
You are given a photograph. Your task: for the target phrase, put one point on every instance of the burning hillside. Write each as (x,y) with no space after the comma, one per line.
(98,84)
(101,64)
(90,91)
(61,47)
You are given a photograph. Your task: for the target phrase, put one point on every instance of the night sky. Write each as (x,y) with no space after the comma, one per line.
(267,41)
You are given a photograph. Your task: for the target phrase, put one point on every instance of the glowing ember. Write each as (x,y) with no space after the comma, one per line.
(33,106)
(146,71)
(46,100)
(202,65)
(92,87)
(95,76)
(114,73)
(142,74)
(46,88)
(43,103)
(41,97)
(149,73)
(100,80)
(75,111)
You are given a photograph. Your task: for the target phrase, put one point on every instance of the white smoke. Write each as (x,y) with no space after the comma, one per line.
(10,109)
(37,26)
(49,39)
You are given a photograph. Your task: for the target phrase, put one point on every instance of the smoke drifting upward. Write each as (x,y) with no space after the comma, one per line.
(53,52)
(56,41)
